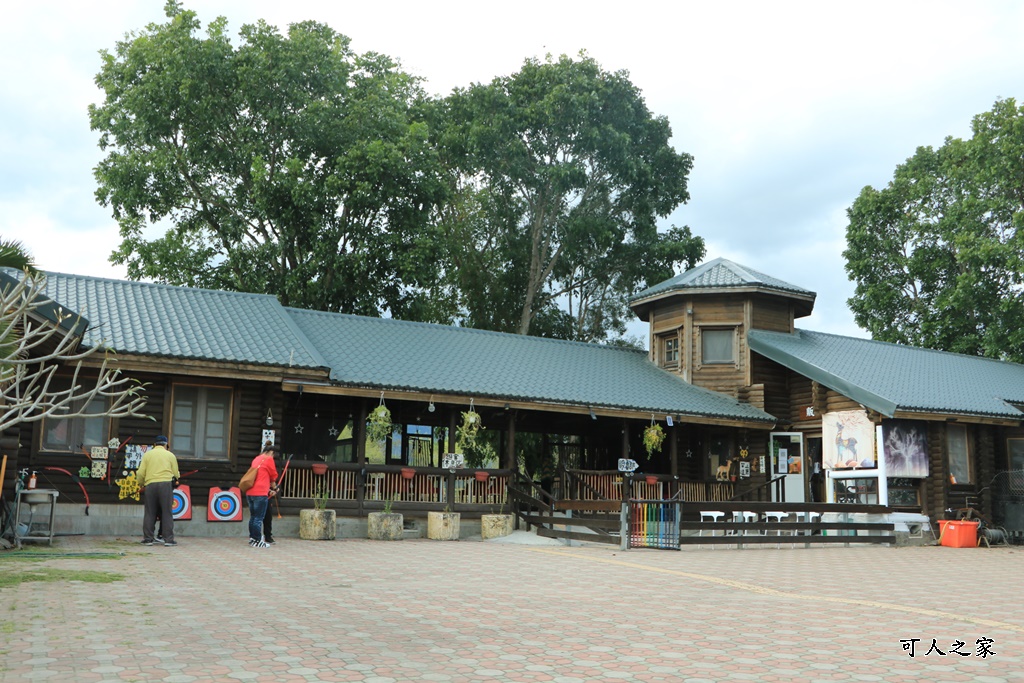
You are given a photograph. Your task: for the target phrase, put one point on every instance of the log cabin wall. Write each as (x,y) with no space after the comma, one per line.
(771,313)
(716,312)
(777,386)
(984,458)
(934,490)
(249,410)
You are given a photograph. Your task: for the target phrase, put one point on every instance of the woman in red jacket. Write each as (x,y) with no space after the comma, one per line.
(259,495)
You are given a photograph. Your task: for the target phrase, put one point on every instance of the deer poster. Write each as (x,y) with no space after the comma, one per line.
(848,440)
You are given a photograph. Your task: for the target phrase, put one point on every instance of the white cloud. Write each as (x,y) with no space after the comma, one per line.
(789,108)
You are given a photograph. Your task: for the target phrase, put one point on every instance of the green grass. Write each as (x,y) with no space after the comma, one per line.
(46,574)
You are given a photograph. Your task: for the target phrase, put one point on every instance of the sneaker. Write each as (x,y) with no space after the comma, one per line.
(269,541)
(169,543)
(144,542)
(260,544)
(252,542)
(159,539)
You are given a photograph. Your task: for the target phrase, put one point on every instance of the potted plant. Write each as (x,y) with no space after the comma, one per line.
(385,525)
(476,451)
(496,524)
(654,435)
(444,526)
(318,524)
(378,425)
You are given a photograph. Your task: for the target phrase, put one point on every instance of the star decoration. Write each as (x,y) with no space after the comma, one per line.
(129,487)
(298,428)
(333,431)
(689,453)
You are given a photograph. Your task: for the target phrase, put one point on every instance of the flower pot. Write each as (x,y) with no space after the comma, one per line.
(481,475)
(319,468)
(384,526)
(317,525)
(408,473)
(652,480)
(443,526)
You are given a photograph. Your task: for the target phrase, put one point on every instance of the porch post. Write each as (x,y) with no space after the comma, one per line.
(673,450)
(451,430)
(510,442)
(359,432)
(625,438)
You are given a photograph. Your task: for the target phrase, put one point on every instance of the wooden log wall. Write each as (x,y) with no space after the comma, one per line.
(710,312)
(772,314)
(776,382)
(249,411)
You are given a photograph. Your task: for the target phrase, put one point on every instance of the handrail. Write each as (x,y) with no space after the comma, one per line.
(579,481)
(765,485)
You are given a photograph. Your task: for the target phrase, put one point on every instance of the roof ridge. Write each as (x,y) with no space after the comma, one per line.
(162,285)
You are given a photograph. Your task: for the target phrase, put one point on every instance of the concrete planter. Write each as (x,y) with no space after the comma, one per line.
(443,526)
(384,526)
(495,526)
(317,525)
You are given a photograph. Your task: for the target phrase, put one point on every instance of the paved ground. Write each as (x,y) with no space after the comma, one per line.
(353,610)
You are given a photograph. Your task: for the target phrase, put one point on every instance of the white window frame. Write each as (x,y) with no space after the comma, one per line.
(663,343)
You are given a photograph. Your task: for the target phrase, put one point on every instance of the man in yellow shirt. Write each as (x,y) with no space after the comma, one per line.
(157,472)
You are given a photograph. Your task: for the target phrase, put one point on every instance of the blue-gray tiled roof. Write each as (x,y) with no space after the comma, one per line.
(399,355)
(892,377)
(181,322)
(721,273)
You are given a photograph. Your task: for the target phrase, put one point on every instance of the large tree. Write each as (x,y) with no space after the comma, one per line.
(937,254)
(560,173)
(287,164)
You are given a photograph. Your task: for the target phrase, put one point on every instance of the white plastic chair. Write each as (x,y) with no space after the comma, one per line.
(712,516)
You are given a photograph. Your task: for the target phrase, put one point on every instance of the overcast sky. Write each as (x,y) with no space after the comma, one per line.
(789,108)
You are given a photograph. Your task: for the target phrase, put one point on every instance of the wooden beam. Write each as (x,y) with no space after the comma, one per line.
(563,408)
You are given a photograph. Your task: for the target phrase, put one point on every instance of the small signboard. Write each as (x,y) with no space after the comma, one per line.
(453,461)
(627,465)
(99,453)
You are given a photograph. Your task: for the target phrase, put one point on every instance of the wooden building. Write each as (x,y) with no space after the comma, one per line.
(935,431)
(752,406)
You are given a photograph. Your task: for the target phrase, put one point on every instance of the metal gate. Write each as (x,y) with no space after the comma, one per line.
(654,524)
(1008,503)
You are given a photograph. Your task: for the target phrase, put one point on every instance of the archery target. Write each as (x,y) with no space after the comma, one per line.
(181,503)
(225,505)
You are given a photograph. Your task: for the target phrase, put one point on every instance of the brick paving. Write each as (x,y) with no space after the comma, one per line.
(214,609)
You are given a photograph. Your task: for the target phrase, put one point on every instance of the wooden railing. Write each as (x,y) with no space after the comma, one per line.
(608,485)
(350,484)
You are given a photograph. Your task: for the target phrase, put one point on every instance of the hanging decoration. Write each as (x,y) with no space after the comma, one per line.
(379,427)
(654,435)
(129,487)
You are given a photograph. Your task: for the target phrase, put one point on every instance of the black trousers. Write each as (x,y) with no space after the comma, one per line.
(157,500)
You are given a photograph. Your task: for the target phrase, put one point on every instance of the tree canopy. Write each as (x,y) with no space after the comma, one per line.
(291,165)
(287,165)
(560,173)
(937,254)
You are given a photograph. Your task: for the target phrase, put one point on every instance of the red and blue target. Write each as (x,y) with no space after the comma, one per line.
(181,503)
(225,505)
